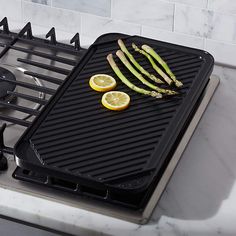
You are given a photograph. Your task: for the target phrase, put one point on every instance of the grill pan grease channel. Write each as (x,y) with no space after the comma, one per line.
(76,139)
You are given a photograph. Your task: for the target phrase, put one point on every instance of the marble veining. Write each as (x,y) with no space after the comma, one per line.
(44,2)
(156,13)
(225,6)
(185,22)
(94,26)
(98,7)
(173,37)
(12,228)
(11,9)
(46,16)
(198,3)
(205,23)
(221,51)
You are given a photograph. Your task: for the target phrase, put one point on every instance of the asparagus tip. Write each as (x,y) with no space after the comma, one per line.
(145,47)
(109,56)
(171,92)
(136,48)
(134,45)
(120,42)
(178,83)
(119,53)
(156,94)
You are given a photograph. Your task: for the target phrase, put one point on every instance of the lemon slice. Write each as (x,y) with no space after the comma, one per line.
(115,100)
(102,82)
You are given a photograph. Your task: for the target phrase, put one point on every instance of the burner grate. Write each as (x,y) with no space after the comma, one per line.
(10,41)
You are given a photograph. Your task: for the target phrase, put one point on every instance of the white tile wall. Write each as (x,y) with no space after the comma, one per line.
(45,2)
(223,6)
(94,26)
(205,24)
(61,19)
(11,9)
(172,37)
(223,52)
(154,13)
(97,7)
(198,3)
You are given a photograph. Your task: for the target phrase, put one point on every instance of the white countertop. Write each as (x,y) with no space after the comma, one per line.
(199,199)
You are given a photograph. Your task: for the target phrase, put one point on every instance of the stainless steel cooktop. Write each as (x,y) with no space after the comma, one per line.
(22,69)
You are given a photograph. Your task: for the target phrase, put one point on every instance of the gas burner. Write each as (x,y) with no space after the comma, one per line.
(5,86)
(8,91)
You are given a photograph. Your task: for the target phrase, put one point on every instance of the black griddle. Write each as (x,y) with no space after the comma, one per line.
(77,145)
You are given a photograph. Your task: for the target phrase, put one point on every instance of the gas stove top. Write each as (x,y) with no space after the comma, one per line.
(31,71)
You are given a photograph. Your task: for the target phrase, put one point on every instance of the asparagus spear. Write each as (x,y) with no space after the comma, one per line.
(155,67)
(163,63)
(136,64)
(127,82)
(122,57)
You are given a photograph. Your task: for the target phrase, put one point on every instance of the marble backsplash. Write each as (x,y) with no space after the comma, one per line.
(204,24)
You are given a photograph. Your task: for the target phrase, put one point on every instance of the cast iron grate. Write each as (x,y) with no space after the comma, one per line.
(10,41)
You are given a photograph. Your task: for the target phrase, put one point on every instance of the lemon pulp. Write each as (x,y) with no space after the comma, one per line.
(102,82)
(116,100)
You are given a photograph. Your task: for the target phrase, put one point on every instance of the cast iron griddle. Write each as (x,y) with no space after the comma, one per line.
(76,139)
